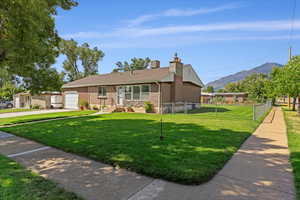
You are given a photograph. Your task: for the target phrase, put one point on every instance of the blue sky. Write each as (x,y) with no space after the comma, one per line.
(218,37)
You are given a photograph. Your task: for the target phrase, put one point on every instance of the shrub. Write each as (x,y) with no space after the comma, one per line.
(84,104)
(130,109)
(95,107)
(119,110)
(35,106)
(148,107)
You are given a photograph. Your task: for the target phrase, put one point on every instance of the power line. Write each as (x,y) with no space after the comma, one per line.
(292,22)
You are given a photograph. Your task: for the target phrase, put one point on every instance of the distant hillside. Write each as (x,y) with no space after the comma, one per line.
(265,69)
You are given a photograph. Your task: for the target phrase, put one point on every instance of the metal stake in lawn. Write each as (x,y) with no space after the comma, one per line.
(161,129)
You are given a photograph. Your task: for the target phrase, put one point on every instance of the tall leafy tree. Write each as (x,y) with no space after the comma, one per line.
(8,90)
(71,66)
(74,54)
(289,80)
(90,58)
(9,85)
(234,87)
(255,85)
(46,78)
(210,89)
(272,85)
(136,64)
(28,35)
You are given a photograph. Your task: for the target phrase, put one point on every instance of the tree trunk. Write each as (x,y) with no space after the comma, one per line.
(273,101)
(299,105)
(294,103)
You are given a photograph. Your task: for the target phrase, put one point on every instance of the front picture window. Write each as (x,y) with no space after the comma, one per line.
(145,92)
(128,93)
(136,92)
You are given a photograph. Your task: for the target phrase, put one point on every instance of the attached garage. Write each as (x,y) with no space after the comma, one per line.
(71,100)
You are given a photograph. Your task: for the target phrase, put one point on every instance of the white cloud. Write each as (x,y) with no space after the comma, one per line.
(141,19)
(201,11)
(258,26)
(186,41)
(237,26)
(179,13)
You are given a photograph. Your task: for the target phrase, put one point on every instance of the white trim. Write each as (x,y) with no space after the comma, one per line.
(71,92)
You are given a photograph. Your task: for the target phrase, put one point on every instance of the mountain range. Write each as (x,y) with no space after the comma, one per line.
(264,69)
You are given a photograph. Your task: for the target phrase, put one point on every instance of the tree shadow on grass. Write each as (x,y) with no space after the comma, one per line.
(295,161)
(189,154)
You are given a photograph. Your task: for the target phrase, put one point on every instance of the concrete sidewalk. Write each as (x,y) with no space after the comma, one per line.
(17,114)
(259,170)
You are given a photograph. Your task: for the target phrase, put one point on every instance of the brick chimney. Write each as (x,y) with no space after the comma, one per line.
(155,64)
(176,66)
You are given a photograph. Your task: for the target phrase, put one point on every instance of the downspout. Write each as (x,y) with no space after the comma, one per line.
(159,97)
(89,97)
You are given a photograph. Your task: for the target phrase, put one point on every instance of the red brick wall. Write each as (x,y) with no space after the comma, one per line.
(171,92)
(191,93)
(109,100)
(166,90)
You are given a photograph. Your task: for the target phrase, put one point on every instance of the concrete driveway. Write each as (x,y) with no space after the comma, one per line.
(17,114)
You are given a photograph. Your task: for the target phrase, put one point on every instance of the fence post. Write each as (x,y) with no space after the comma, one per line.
(185,108)
(173,107)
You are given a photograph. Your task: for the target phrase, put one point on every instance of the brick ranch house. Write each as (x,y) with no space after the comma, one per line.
(161,86)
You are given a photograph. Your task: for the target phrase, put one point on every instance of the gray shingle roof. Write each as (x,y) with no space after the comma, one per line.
(120,78)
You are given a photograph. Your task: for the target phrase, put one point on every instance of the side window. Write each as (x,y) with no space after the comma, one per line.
(102,92)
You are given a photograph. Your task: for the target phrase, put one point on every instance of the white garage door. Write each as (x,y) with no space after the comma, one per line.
(71,101)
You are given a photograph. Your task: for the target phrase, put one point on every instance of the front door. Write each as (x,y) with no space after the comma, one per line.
(121,95)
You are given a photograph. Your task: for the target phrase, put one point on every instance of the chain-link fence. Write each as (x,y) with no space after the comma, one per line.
(179,107)
(260,110)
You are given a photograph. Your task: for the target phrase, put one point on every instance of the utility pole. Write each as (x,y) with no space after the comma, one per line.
(290,57)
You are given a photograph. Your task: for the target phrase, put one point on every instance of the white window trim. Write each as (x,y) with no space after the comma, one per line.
(140,85)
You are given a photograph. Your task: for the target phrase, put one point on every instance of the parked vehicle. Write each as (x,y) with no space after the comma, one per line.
(6,104)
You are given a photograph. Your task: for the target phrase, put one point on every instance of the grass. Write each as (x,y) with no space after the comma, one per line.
(293,124)
(10,110)
(30,118)
(196,146)
(17,183)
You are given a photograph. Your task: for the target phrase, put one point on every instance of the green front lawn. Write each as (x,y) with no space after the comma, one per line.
(30,118)
(196,146)
(17,183)
(10,110)
(293,124)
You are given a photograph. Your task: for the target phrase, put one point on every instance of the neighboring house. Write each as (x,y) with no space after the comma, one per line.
(228,98)
(45,100)
(286,100)
(177,83)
